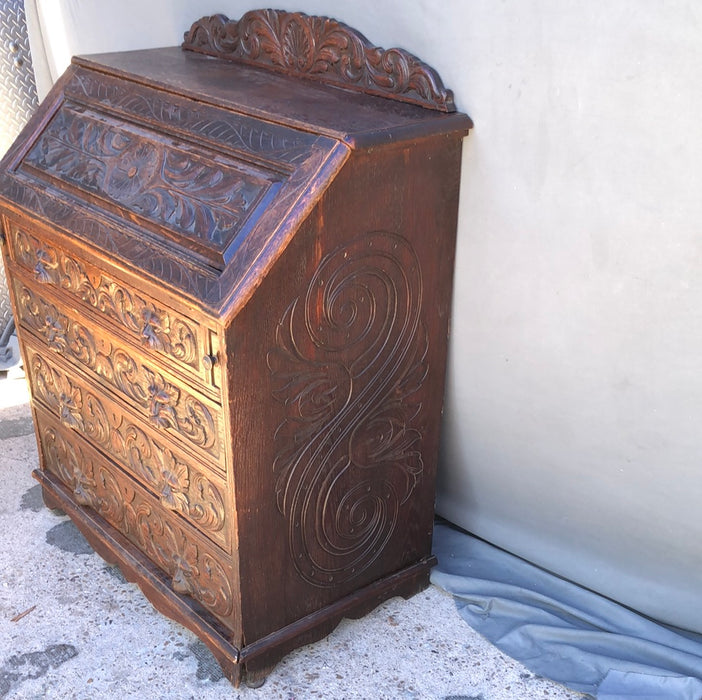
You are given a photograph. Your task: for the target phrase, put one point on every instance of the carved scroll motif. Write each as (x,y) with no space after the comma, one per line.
(151,325)
(238,132)
(167,406)
(191,194)
(193,570)
(200,282)
(350,357)
(322,49)
(178,487)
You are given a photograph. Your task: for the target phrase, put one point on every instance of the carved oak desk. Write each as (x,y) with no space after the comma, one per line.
(231,270)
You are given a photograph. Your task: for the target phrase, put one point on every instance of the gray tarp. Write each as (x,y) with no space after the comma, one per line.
(562,631)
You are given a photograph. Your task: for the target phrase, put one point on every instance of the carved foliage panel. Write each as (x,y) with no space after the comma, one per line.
(195,569)
(120,241)
(271,143)
(191,193)
(170,475)
(148,323)
(167,406)
(349,360)
(321,48)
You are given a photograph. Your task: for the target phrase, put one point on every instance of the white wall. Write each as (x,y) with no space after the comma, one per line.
(574,409)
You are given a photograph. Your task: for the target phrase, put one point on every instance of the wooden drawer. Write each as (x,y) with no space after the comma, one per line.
(196,568)
(186,345)
(165,402)
(175,478)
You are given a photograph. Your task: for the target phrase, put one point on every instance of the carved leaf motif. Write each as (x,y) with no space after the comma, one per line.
(96,424)
(71,467)
(192,194)
(193,569)
(348,362)
(156,328)
(109,500)
(323,49)
(166,407)
(175,482)
(207,509)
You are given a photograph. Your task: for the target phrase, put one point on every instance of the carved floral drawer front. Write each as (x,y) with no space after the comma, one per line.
(74,400)
(167,405)
(184,343)
(173,477)
(196,568)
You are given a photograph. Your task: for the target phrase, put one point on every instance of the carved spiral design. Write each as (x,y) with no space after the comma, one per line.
(347,362)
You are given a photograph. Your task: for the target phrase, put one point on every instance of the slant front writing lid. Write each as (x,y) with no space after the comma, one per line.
(201,201)
(188,192)
(197,166)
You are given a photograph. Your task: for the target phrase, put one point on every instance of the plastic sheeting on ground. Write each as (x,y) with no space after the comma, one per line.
(562,631)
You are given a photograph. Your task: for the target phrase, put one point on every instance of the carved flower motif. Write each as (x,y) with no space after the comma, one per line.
(153,330)
(55,332)
(175,481)
(162,398)
(84,486)
(183,560)
(136,168)
(42,266)
(69,406)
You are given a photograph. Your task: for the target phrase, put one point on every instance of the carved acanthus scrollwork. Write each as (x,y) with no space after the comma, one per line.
(193,570)
(153,326)
(350,357)
(165,404)
(178,486)
(190,193)
(75,407)
(237,131)
(323,49)
(119,240)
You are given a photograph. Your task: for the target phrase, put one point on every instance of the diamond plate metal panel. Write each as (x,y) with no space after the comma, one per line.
(18,99)
(18,91)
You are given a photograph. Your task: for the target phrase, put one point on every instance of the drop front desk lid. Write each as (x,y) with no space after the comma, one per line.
(191,168)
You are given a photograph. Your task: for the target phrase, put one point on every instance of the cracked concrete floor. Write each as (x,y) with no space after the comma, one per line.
(72,627)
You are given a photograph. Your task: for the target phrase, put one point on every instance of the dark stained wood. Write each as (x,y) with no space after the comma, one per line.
(232,289)
(320,48)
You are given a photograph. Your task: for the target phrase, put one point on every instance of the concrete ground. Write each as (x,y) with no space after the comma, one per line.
(72,627)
